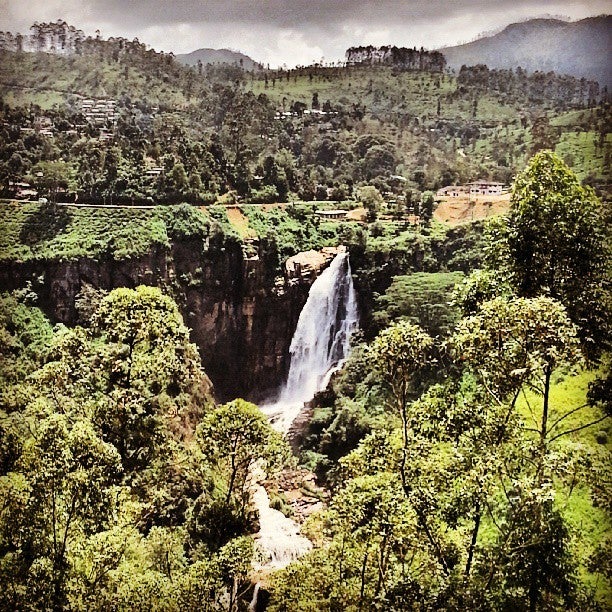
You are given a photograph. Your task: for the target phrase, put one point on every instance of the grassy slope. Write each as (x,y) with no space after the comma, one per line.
(589,525)
(45,79)
(384,92)
(32,231)
(581,151)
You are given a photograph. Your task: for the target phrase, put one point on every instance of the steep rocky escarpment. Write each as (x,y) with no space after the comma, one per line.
(242,313)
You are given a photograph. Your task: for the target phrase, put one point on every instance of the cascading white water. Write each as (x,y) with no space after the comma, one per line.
(323,331)
(321,340)
(279,537)
(320,344)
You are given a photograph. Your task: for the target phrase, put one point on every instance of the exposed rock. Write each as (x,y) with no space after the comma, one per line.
(300,489)
(299,426)
(306,266)
(242,315)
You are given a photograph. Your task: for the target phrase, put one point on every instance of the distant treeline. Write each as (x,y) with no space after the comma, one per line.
(536,86)
(404,57)
(61,38)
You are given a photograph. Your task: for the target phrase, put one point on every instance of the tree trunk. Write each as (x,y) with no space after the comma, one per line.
(363,572)
(468,565)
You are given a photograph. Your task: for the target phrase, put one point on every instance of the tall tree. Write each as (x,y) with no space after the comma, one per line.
(556,243)
(148,369)
(236,436)
(61,489)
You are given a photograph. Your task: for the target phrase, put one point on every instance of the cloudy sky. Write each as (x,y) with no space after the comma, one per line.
(289,31)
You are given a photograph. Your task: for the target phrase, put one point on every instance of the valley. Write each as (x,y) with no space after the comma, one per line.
(324,337)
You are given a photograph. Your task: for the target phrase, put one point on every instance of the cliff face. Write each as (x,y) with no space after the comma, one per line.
(241,314)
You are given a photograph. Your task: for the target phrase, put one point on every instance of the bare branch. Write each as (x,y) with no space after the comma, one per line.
(575,429)
(566,415)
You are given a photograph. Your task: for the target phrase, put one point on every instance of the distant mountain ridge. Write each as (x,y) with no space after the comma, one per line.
(217,56)
(580,48)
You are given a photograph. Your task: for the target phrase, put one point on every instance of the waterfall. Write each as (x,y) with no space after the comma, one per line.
(279,537)
(320,342)
(323,331)
(319,346)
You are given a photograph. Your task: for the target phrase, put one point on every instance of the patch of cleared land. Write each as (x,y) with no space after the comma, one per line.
(454,211)
(239,222)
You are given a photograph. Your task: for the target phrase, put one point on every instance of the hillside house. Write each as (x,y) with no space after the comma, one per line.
(453,191)
(22,191)
(476,188)
(485,188)
(154,172)
(331,214)
(99,112)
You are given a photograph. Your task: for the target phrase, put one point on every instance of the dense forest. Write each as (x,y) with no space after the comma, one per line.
(461,453)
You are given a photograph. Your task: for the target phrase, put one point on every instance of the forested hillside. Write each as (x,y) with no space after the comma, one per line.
(116,121)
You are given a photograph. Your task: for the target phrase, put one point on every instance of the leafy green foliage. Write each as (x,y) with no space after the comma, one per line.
(123,488)
(421,298)
(558,245)
(236,436)
(31,231)
(490,467)
(25,335)
(511,343)
(102,483)
(247,134)
(291,229)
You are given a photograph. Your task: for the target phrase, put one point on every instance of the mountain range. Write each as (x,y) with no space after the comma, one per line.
(217,56)
(580,48)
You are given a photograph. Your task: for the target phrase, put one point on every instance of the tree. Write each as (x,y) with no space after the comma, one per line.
(236,436)
(518,343)
(400,353)
(543,135)
(149,371)
(427,206)
(379,160)
(555,244)
(50,177)
(423,299)
(477,288)
(511,347)
(371,199)
(61,489)
(178,181)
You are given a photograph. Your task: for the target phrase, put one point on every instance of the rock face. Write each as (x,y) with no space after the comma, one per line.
(306,266)
(241,313)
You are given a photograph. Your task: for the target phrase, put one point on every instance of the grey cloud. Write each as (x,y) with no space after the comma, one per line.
(299,13)
(257,27)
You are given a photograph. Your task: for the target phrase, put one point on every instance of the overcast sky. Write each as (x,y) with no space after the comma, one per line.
(289,31)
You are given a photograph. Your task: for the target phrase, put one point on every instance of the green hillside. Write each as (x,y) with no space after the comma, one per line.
(311,133)
(51,80)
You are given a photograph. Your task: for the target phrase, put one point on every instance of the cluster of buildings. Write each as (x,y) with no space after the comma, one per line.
(477,188)
(100,112)
(42,126)
(23,191)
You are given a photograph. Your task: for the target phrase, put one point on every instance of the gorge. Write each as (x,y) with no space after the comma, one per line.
(319,346)
(241,308)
